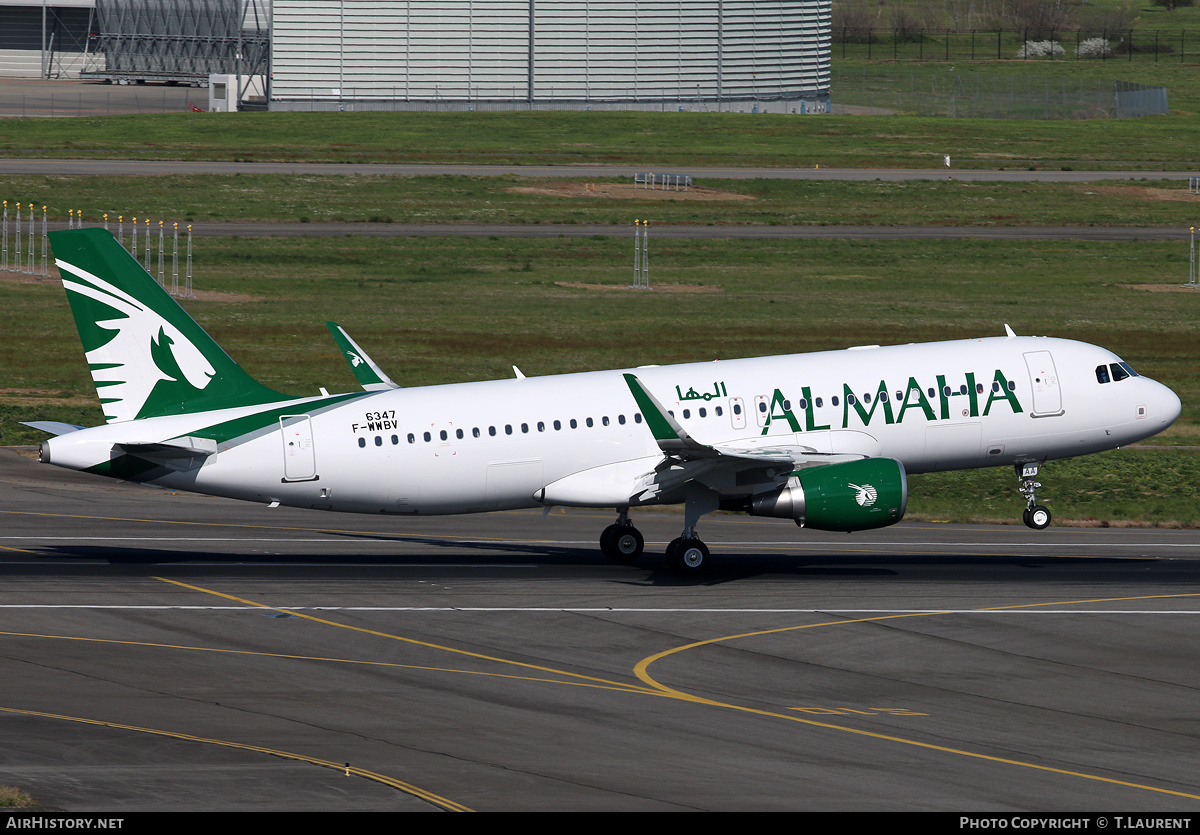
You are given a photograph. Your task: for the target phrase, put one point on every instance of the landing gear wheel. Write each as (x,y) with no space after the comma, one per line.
(622,543)
(1036,517)
(688,556)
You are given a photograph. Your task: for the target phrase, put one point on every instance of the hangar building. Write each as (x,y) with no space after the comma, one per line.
(501,54)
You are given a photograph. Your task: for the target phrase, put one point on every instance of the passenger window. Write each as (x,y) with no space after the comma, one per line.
(574,423)
(378,440)
(428,437)
(621,419)
(833,400)
(395,440)
(525,428)
(362,442)
(637,417)
(737,408)
(557,425)
(458,433)
(442,434)
(589,423)
(820,402)
(541,426)
(508,429)
(492,431)
(412,439)
(687,413)
(717,409)
(604,420)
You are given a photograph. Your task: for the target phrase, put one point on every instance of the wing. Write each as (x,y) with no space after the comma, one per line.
(733,471)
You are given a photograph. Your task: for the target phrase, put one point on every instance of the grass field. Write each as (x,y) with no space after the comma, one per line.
(210,199)
(650,139)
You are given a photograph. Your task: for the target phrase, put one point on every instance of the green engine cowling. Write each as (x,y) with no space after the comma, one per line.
(853,496)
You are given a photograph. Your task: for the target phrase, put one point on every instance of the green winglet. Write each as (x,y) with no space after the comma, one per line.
(370,376)
(656,416)
(671,437)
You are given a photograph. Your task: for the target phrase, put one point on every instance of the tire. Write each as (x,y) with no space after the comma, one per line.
(688,557)
(622,543)
(1037,517)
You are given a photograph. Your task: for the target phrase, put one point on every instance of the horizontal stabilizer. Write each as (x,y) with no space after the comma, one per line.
(52,427)
(184,453)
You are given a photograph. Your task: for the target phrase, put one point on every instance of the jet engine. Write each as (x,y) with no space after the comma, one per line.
(852,496)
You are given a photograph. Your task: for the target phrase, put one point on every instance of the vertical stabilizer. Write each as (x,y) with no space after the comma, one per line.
(147,356)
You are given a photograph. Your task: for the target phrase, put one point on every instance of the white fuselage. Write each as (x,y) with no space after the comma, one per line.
(473,447)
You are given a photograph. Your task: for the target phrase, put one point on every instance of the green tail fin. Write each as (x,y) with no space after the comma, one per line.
(147,356)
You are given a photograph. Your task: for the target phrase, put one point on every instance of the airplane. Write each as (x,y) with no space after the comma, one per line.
(825,439)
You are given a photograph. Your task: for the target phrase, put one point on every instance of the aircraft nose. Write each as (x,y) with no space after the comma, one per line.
(1167,406)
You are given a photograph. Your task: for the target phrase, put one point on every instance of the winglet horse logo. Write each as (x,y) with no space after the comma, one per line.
(127,366)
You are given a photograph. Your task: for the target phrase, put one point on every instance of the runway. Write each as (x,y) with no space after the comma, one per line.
(166,651)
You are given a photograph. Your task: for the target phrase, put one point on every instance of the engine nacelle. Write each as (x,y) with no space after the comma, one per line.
(853,496)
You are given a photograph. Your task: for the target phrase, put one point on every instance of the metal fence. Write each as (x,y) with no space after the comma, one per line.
(935,91)
(99,100)
(1128,45)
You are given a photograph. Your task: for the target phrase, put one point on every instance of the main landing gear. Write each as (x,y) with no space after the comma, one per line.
(622,542)
(1035,516)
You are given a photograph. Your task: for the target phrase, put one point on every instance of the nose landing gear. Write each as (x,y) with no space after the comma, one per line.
(1035,515)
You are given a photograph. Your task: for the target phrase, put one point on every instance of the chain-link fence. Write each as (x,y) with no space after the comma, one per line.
(908,43)
(947,91)
(72,98)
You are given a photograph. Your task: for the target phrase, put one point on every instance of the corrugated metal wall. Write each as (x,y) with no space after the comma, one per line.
(21,40)
(574,50)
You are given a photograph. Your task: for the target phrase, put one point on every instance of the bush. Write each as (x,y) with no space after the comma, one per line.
(1040,49)
(1093,48)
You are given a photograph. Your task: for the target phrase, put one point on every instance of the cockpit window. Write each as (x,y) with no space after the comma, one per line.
(1129,368)
(1118,371)
(1102,374)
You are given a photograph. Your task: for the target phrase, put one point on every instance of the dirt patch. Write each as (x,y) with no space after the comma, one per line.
(198,295)
(627,191)
(43,397)
(657,288)
(1160,288)
(1141,193)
